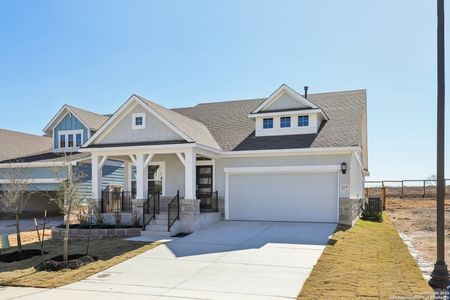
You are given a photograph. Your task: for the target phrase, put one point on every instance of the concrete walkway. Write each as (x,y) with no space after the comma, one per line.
(230,260)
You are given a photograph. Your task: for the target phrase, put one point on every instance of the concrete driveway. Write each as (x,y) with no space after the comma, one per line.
(230,260)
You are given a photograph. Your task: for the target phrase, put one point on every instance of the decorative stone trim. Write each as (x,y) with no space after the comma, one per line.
(350,210)
(96,234)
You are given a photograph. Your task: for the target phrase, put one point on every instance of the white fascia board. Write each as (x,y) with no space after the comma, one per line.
(145,149)
(32,165)
(59,115)
(36,180)
(285,152)
(288,112)
(283,169)
(288,90)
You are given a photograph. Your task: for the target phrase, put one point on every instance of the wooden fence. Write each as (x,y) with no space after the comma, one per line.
(404,188)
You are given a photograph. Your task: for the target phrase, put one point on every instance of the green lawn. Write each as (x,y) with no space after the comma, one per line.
(369,261)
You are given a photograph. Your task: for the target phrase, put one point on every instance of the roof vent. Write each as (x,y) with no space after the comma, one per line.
(306,91)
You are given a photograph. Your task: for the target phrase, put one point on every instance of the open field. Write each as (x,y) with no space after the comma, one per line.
(368,261)
(110,252)
(415,219)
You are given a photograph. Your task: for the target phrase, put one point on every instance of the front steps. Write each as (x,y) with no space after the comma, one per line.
(158,227)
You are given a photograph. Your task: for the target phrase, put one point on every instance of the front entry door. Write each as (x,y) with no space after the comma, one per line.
(205,186)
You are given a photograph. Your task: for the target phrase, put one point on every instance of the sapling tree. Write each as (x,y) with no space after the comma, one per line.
(14,194)
(68,197)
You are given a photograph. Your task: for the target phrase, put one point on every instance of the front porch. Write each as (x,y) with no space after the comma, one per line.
(169,191)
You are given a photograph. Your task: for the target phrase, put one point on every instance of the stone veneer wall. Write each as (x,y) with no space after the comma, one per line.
(96,234)
(350,210)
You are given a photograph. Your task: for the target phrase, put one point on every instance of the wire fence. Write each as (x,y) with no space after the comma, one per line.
(404,188)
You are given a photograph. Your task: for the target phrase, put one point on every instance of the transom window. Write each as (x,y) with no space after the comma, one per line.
(268,123)
(285,122)
(138,121)
(303,121)
(70,139)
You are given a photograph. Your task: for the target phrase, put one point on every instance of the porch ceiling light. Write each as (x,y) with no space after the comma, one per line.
(344,168)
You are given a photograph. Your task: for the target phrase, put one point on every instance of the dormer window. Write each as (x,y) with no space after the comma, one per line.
(303,121)
(70,139)
(138,121)
(267,123)
(285,122)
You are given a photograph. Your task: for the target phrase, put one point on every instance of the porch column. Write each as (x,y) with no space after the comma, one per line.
(96,170)
(126,176)
(140,170)
(190,161)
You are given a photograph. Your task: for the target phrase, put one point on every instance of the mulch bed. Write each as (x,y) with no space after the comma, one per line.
(16,256)
(57,263)
(96,226)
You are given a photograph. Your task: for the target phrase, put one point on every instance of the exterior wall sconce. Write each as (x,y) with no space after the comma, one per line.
(344,168)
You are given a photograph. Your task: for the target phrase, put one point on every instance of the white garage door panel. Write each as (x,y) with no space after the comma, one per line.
(301,197)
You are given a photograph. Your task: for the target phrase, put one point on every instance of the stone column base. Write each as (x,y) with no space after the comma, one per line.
(189,210)
(350,210)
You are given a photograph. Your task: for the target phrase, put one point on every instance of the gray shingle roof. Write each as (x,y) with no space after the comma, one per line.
(13,144)
(92,120)
(196,130)
(233,130)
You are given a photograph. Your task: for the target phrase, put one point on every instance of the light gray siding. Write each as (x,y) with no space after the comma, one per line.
(154,130)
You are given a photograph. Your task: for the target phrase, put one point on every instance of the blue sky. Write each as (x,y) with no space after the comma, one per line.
(95,54)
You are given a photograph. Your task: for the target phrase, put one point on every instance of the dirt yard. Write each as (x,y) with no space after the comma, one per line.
(415,219)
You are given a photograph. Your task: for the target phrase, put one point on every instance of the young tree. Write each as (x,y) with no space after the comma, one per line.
(14,194)
(68,197)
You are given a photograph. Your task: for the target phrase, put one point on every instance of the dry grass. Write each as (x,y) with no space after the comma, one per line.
(109,251)
(368,261)
(28,237)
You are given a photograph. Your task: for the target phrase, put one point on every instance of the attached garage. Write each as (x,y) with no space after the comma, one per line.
(294,194)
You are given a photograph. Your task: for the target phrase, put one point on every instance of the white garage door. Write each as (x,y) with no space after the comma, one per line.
(296,197)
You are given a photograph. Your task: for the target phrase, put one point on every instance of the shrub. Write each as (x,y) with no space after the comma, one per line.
(135,220)
(118,218)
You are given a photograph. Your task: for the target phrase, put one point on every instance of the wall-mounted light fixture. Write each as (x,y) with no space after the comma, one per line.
(344,168)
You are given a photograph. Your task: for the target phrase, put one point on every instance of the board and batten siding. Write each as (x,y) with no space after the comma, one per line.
(69,122)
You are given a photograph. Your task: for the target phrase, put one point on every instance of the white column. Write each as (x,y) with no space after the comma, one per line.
(140,170)
(96,177)
(190,162)
(126,176)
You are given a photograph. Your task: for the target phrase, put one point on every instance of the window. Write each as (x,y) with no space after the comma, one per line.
(138,121)
(303,121)
(285,122)
(70,141)
(78,140)
(155,178)
(268,123)
(62,141)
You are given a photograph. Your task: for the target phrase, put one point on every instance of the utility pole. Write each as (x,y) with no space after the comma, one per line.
(439,276)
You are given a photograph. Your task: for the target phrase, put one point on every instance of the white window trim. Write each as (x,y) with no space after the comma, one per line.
(133,120)
(162,165)
(66,133)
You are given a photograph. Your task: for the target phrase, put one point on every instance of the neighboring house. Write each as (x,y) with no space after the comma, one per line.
(15,144)
(288,157)
(52,154)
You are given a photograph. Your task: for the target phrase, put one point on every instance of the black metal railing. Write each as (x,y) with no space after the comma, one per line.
(173,211)
(209,202)
(151,207)
(116,201)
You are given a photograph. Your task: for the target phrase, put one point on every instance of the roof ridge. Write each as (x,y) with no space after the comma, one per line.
(84,110)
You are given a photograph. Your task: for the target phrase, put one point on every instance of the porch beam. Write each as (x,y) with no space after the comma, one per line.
(148,159)
(133,159)
(102,162)
(182,159)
